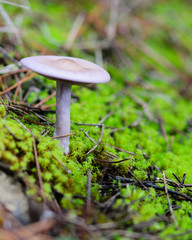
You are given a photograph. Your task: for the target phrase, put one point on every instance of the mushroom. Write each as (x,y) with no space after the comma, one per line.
(67,71)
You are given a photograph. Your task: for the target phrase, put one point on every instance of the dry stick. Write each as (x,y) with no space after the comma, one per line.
(66,135)
(38,171)
(88,206)
(66,169)
(121,150)
(44,134)
(183,180)
(46,99)
(107,116)
(88,124)
(90,138)
(24,127)
(11,133)
(100,138)
(176,177)
(123,160)
(138,180)
(169,203)
(16,84)
(48,106)
(158,170)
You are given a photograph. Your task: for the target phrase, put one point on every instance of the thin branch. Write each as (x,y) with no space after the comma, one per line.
(100,138)
(46,99)
(138,180)
(123,160)
(88,205)
(42,192)
(66,169)
(66,135)
(107,116)
(24,127)
(169,203)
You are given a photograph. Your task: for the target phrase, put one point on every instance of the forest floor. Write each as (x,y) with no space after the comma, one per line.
(128,172)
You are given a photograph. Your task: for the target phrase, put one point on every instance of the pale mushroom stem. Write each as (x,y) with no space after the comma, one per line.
(63,100)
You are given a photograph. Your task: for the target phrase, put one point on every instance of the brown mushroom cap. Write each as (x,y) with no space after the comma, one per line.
(76,70)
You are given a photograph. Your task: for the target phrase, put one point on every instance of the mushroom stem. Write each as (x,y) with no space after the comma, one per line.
(63,100)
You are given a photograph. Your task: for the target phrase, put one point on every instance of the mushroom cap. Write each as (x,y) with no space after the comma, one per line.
(76,70)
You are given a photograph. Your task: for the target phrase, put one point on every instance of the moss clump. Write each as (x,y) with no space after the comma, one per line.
(16,149)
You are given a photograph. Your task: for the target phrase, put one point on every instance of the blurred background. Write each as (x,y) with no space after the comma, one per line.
(158,33)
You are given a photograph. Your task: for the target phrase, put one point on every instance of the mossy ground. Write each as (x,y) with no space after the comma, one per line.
(150,114)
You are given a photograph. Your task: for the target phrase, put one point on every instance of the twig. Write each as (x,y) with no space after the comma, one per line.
(16,138)
(44,134)
(88,205)
(173,193)
(66,135)
(88,124)
(138,180)
(107,116)
(100,138)
(122,150)
(24,127)
(176,177)
(90,138)
(66,169)
(46,99)
(18,83)
(38,171)
(183,180)
(48,106)
(169,203)
(158,170)
(123,160)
